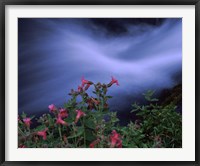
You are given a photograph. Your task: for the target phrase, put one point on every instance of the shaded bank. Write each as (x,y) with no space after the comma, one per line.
(165,97)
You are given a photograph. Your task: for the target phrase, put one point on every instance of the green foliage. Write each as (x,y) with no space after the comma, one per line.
(148,96)
(162,125)
(89,123)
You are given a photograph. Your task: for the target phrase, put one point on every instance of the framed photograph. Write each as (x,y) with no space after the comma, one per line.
(100,82)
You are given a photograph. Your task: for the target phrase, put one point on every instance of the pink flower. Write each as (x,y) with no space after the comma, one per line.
(114,81)
(119,144)
(22,146)
(60,121)
(43,134)
(80,88)
(86,82)
(79,115)
(63,113)
(27,121)
(92,145)
(115,140)
(52,108)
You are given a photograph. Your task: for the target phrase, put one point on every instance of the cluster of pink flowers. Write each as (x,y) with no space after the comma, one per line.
(86,84)
(43,133)
(83,83)
(92,101)
(64,114)
(61,114)
(115,139)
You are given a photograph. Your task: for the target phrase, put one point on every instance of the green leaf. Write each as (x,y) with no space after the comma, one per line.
(145,146)
(51,121)
(134,110)
(90,136)
(148,95)
(90,124)
(40,128)
(33,116)
(23,115)
(154,99)
(79,132)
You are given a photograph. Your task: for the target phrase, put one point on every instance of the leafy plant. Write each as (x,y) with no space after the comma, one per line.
(162,125)
(88,123)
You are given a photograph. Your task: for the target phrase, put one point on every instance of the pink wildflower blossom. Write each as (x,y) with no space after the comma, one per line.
(114,81)
(80,88)
(43,134)
(86,82)
(22,146)
(52,108)
(60,121)
(27,122)
(115,140)
(92,145)
(63,113)
(79,115)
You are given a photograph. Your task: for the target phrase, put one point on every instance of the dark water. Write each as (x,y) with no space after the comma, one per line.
(55,53)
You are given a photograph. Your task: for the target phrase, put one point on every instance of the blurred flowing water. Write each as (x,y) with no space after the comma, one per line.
(54,54)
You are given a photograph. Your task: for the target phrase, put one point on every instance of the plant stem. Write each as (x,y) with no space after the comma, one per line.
(59,129)
(84,133)
(74,134)
(84,138)
(21,132)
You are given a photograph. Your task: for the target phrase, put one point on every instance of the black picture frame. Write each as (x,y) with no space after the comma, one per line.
(3,4)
